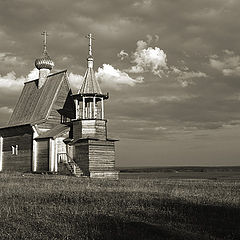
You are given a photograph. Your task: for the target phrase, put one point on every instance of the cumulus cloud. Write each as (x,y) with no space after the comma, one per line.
(75,80)
(122,55)
(115,78)
(6,110)
(34,74)
(10,82)
(185,77)
(108,76)
(148,59)
(8,58)
(228,64)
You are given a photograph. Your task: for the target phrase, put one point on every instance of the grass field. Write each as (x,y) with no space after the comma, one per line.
(64,207)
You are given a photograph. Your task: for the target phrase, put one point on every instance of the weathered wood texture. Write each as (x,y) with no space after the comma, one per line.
(22,161)
(101,155)
(34,103)
(81,157)
(96,158)
(62,104)
(1,152)
(43,155)
(90,129)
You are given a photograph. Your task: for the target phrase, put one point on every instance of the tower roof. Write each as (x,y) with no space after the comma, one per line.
(90,84)
(44,61)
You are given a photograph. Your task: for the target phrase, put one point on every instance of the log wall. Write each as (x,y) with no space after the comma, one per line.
(22,161)
(96,158)
(81,157)
(101,156)
(92,128)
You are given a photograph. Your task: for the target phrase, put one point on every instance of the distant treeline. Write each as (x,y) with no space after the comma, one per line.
(179,169)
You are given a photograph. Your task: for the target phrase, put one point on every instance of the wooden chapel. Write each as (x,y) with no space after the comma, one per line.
(53,130)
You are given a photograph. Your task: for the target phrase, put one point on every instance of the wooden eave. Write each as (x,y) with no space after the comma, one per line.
(55,132)
(98,96)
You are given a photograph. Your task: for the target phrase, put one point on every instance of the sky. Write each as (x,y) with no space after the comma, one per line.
(172,68)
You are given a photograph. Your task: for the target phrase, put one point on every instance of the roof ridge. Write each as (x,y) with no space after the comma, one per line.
(50,75)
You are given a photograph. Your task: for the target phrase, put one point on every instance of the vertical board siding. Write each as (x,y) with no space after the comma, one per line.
(43,155)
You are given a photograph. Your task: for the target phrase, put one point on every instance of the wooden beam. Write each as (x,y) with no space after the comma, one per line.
(94,107)
(90,109)
(34,156)
(76,108)
(83,109)
(55,156)
(51,154)
(102,108)
(1,153)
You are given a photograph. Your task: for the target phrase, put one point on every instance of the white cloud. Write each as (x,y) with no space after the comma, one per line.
(186,77)
(114,78)
(9,59)
(122,55)
(10,82)
(228,64)
(75,80)
(142,3)
(34,74)
(148,59)
(6,110)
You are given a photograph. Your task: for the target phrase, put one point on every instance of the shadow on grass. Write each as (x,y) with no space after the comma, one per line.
(112,228)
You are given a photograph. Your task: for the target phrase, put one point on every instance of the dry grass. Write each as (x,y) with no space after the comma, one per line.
(59,207)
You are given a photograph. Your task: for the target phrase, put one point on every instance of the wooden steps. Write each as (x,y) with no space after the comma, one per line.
(74,169)
(70,164)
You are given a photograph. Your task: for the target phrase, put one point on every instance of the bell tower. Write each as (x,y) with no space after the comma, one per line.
(93,151)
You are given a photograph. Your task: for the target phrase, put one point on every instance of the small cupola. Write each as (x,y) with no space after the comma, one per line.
(44,64)
(89,99)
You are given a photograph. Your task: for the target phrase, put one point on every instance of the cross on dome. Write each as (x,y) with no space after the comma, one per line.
(44,62)
(45,34)
(90,37)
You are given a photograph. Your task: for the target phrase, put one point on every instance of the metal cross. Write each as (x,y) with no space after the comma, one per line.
(89,36)
(44,40)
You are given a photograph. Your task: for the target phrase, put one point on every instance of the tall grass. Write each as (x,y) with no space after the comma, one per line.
(60,207)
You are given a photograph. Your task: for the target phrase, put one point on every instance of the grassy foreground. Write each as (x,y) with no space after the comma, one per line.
(61,207)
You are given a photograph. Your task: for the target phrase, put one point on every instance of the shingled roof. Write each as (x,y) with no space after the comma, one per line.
(90,84)
(35,103)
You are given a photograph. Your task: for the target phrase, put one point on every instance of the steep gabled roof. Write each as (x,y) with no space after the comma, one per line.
(90,84)
(35,103)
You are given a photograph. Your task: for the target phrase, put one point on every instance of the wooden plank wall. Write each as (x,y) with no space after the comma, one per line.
(101,156)
(81,157)
(23,160)
(77,130)
(1,152)
(90,129)
(43,155)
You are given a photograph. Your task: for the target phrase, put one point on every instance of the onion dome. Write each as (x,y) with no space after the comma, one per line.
(44,62)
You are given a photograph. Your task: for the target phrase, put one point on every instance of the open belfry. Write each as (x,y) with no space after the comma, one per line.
(53,130)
